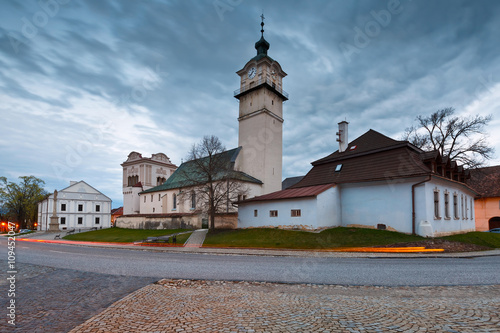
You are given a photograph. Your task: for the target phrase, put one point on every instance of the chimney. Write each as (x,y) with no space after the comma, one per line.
(342,136)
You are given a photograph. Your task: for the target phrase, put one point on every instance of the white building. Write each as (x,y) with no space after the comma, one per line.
(140,174)
(79,206)
(374,182)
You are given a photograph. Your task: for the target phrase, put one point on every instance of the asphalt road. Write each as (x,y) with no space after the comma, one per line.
(344,271)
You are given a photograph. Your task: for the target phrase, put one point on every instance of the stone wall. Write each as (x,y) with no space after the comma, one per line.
(171,221)
(158,222)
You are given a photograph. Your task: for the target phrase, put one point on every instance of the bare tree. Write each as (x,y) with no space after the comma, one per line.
(462,139)
(210,178)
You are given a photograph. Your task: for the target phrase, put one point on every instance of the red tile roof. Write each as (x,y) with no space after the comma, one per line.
(291,193)
(486,181)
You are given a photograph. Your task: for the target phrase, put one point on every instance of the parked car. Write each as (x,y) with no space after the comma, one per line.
(495,230)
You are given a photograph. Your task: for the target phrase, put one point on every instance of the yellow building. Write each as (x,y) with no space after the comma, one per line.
(486,181)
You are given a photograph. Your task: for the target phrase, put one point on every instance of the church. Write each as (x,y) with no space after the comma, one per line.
(153,187)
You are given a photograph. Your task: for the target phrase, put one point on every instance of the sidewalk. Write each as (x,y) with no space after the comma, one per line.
(194,245)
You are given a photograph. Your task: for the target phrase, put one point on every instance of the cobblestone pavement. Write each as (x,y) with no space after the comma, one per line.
(56,300)
(217,306)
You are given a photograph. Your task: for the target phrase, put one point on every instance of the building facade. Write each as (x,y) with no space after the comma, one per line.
(140,174)
(486,182)
(78,206)
(374,182)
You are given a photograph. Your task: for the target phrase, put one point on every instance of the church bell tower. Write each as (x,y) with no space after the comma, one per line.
(261,98)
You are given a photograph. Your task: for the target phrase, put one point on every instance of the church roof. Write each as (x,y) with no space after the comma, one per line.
(486,181)
(186,174)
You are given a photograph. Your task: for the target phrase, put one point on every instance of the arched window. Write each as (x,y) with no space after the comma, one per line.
(174,201)
(193,200)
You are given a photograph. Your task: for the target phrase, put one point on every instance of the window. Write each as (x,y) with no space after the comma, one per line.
(159,197)
(97,220)
(436,204)
(80,208)
(174,201)
(97,208)
(80,220)
(455,206)
(193,200)
(144,199)
(63,220)
(462,205)
(255,213)
(273,213)
(296,213)
(471,207)
(63,207)
(446,204)
(151,198)
(338,167)
(466,209)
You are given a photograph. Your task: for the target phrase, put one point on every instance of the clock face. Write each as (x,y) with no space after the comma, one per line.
(252,72)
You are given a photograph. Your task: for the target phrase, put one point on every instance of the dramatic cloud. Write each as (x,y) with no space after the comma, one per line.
(84,83)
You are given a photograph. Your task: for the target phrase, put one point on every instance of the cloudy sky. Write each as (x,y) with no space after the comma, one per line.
(84,83)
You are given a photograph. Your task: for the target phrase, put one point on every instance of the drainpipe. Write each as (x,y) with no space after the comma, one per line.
(413,203)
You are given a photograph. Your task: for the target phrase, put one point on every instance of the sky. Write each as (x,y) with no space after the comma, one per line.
(84,83)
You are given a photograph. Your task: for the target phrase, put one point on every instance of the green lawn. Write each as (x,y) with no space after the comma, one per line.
(126,235)
(488,239)
(330,238)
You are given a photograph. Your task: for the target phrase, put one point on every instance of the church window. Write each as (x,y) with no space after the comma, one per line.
(63,207)
(436,204)
(151,198)
(63,220)
(159,197)
(174,201)
(296,213)
(273,213)
(144,199)
(255,213)
(193,200)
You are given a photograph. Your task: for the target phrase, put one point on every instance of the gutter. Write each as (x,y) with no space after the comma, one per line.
(413,227)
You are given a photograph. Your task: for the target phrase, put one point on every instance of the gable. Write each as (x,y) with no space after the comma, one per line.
(81,187)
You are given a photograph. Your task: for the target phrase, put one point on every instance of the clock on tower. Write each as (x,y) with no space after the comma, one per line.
(261,98)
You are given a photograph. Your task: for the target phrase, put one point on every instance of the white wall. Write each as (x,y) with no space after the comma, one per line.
(383,202)
(445,226)
(316,212)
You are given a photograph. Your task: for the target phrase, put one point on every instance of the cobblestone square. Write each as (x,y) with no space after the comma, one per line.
(218,306)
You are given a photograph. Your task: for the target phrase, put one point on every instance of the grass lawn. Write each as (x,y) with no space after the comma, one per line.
(121,235)
(488,239)
(330,238)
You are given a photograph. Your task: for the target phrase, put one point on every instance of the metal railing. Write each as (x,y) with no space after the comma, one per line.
(258,83)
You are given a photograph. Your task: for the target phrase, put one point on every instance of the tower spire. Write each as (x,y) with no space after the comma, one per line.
(262,45)
(262,24)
